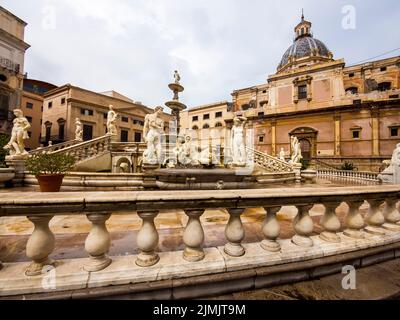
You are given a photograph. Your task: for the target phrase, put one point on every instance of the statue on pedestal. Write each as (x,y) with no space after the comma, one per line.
(177,77)
(152,133)
(392,173)
(237,141)
(19,133)
(296,151)
(282,155)
(78,130)
(112,117)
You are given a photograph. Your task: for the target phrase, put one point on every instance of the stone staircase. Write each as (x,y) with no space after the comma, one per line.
(267,162)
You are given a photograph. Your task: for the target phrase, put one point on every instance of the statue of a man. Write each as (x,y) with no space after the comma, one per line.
(78,130)
(237,141)
(177,77)
(296,150)
(282,154)
(19,133)
(152,133)
(111,121)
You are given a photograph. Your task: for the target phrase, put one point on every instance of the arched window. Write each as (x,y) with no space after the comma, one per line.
(206,126)
(383,86)
(352,90)
(195,128)
(218,125)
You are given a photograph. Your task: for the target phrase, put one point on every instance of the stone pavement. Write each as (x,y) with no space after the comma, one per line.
(376,282)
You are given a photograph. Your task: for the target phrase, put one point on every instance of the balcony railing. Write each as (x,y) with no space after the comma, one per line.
(379,227)
(9,65)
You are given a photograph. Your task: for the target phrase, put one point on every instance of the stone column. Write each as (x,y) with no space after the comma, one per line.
(271,230)
(234,233)
(147,240)
(337,133)
(193,236)
(303,226)
(354,221)
(375,131)
(375,218)
(330,223)
(273,138)
(40,245)
(392,215)
(98,242)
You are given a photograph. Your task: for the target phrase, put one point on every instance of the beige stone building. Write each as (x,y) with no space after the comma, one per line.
(66,103)
(32,106)
(207,120)
(339,113)
(12,56)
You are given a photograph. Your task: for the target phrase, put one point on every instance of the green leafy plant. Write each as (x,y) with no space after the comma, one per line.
(347,166)
(48,163)
(3,141)
(304,164)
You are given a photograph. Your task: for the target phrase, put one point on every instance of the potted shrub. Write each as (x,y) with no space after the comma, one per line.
(50,169)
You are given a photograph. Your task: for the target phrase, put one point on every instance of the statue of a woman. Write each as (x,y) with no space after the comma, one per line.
(111,121)
(296,150)
(237,141)
(78,130)
(282,155)
(19,133)
(152,133)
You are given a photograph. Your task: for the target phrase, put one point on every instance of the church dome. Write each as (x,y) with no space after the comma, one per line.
(304,46)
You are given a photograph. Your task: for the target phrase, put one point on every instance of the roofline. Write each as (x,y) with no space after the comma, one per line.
(13,15)
(44,82)
(210,105)
(368,62)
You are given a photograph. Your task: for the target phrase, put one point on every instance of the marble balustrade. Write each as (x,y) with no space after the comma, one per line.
(382,216)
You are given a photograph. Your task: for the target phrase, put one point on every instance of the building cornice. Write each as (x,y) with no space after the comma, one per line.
(13,40)
(13,15)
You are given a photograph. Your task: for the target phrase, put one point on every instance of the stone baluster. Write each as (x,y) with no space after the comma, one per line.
(98,242)
(354,221)
(147,239)
(271,230)
(303,226)
(193,236)
(375,218)
(330,223)
(392,215)
(40,245)
(234,233)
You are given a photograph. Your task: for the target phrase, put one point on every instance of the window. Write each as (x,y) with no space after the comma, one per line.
(394,132)
(351,75)
(218,114)
(206,126)
(261,139)
(87,132)
(105,115)
(218,125)
(61,127)
(195,128)
(124,119)
(29,119)
(138,136)
(62,100)
(352,90)
(4,101)
(195,118)
(48,132)
(383,86)
(264,91)
(50,104)
(29,105)
(383,69)
(302,91)
(41,108)
(87,112)
(124,135)
(356,134)
(206,116)
(138,122)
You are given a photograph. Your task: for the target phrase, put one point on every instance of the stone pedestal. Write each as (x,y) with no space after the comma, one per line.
(149,178)
(297,171)
(309,176)
(18,164)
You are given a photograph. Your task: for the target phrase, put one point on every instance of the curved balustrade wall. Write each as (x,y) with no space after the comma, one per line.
(379,227)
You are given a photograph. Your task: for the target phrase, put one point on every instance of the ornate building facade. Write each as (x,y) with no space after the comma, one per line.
(339,113)
(12,56)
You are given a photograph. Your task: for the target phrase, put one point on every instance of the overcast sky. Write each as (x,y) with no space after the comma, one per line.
(218,46)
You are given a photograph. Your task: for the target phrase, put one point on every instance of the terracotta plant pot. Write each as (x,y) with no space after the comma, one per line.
(50,182)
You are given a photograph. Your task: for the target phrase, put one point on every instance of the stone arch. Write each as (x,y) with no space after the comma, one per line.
(124,165)
(307,137)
